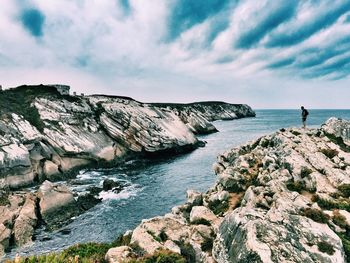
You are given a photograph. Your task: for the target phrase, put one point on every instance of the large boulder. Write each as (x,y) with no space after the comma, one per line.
(119,254)
(202,215)
(57,204)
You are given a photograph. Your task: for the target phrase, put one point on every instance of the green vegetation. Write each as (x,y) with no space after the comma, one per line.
(218,207)
(187,251)
(305,171)
(345,239)
(163,236)
(207,244)
(4,198)
(19,100)
(339,141)
(296,133)
(84,253)
(201,221)
(325,247)
(339,219)
(344,190)
(330,153)
(81,253)
(162,256)
(316,215)
(329,204)
(297,186)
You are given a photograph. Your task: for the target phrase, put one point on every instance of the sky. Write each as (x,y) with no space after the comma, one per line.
(266,53)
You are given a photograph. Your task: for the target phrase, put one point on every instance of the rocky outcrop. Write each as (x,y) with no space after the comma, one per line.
(46,135)
(281,198)
(57,204)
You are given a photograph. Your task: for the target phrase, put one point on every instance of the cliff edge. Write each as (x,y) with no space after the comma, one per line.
(281,198)
(45,135)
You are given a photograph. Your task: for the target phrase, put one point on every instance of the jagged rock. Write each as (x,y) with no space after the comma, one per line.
(170,245)
(151,234)
(202,215)
(119,254)
(109,184)
(50,169)
(57,204)
(26,221)
(75,132)
(194,197)
(293,188)
(87,201)
(5,235)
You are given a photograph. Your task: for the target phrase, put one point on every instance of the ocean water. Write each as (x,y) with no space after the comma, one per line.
(152,188)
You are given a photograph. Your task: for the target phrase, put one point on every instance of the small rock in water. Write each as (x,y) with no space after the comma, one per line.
(110,184)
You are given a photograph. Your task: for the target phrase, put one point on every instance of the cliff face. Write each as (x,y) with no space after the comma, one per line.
(44,135)
(281,198)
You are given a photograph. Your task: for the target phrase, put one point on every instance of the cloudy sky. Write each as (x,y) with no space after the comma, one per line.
(267,53)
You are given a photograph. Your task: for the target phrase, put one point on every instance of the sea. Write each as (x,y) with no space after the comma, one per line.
(153,187)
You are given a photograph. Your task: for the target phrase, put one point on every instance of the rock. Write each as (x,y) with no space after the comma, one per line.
(170,245)
(109,184)
(50,170)
(119,254)
(152,234)
(26,221)
(77,132)
(5,235)
(194,197)
(87,201)
(57,204)
(202,215)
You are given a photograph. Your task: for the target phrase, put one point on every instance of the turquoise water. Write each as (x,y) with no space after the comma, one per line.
(154,187)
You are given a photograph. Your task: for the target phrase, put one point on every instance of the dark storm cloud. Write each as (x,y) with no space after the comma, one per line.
(33,20)
(320,21)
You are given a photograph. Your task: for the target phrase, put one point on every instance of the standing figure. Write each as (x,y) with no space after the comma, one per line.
(304,114)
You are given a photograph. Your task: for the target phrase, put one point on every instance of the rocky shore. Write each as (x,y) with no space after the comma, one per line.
(281,198)
(46,137)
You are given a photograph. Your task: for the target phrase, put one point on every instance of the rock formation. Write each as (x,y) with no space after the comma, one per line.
(45,135)
(281,198)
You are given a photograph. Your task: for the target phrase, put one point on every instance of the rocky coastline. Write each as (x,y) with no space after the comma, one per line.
(46,137)
(281,198)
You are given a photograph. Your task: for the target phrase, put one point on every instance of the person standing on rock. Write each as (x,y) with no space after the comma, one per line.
(304,114)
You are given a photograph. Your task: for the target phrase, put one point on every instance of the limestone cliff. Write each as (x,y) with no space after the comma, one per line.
(281,198)
(46,135)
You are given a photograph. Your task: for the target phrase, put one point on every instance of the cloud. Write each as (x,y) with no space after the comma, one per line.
(177,49)
(187,13)
(33,21)
(125,5)
(323,18)
(265,20)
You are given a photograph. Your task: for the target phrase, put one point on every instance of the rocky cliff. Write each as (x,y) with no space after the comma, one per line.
(45,135)
(281,198)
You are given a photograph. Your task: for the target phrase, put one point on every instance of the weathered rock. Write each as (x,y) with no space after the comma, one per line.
(50,169)
(119,254)
(202,215)
(26,221)
(57,204)
(5,235)
(75,132)
(281,195)
(109,184)
(194,197)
